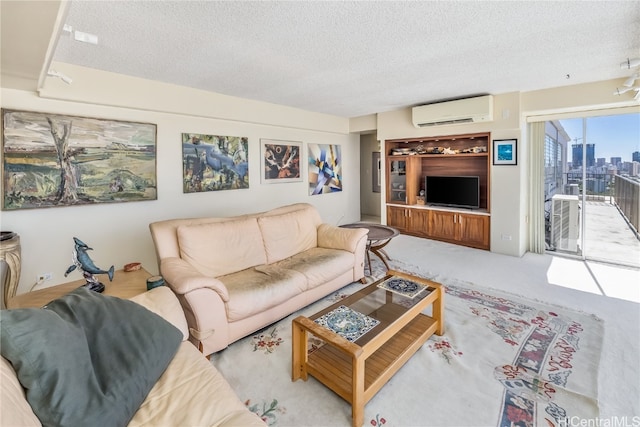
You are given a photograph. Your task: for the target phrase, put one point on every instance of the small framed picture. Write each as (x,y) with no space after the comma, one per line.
(505,152)
(280,161)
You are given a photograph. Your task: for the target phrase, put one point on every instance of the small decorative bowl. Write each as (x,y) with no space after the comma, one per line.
(133,266)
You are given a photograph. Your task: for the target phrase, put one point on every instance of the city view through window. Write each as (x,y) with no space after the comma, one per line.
(592,188)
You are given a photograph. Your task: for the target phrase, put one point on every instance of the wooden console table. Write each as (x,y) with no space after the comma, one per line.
(124,285)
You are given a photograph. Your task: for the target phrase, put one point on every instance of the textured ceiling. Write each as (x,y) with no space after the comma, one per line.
(356,58)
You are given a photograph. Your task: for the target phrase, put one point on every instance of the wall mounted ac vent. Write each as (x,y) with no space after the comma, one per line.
(469,110)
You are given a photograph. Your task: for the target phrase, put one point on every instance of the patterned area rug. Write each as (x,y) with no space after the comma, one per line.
(503,361)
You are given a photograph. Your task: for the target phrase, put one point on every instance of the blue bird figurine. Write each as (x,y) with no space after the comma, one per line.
(83,262)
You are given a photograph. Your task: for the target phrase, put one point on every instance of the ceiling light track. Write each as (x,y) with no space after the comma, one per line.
(630,63)
(620,91)
(628,84)
(80,36)
(631,80)
(53,73)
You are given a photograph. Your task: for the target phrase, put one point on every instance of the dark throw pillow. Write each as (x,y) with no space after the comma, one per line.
(87,359)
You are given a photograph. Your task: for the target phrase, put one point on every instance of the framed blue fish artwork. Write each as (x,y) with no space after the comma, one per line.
(504,152)
(214,162)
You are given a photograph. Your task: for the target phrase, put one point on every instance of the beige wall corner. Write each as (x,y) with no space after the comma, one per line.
(576,98)
(363,124)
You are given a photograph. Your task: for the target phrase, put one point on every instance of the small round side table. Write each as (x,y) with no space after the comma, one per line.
(379,236)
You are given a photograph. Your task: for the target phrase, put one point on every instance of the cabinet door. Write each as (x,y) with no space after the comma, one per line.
(397,188)
(442,225)
(474,230)
(419,222)
(397,218)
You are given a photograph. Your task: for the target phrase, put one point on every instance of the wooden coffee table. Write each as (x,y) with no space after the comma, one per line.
(356,370)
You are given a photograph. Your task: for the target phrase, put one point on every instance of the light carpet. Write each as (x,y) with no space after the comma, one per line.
(503,360)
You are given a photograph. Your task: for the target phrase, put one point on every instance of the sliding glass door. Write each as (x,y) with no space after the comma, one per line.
(592,188)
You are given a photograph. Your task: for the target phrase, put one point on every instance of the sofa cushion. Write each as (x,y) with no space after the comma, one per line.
(288,234)
(192,392)
(319,265)
(15,411)
(258,289)
(220,248)
(163,302)
(86,358)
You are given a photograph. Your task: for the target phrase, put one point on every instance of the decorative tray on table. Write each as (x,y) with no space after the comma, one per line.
(347,322)
(404,287)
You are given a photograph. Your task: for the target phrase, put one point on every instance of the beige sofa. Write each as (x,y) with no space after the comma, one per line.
(190,392)
(236,275)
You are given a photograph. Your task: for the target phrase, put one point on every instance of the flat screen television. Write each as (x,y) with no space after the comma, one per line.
(455,191)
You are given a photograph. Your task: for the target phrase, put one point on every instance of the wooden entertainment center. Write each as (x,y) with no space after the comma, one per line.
(409,160)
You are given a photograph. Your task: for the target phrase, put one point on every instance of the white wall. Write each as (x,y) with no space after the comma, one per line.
(509,184)
(119,232)
(506,210)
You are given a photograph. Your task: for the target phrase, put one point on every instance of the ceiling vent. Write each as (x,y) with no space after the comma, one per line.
(468,110)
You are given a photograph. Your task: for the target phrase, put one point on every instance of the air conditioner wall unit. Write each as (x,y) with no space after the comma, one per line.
(565,220)
(572,189)
(468,110)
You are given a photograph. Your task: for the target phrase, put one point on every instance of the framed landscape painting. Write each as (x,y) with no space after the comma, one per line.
(325,169)
(54,160)
(280,161)
(214,162)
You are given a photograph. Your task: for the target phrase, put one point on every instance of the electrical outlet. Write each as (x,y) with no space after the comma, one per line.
(43,277)
(506,237)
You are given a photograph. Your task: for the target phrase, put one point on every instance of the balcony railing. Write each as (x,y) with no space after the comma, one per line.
(617,189)
(612,217)
(627,198)
(600,186)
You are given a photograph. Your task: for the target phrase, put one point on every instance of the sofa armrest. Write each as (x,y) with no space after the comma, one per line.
(183,278)
(332,237)
(163,302)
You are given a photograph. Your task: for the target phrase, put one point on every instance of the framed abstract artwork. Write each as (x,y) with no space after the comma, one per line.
(52,160)
(214,163)
(325,168)
(504,152)
(280,161)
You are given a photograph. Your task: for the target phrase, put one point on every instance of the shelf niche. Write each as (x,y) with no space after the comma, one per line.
(409,160)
